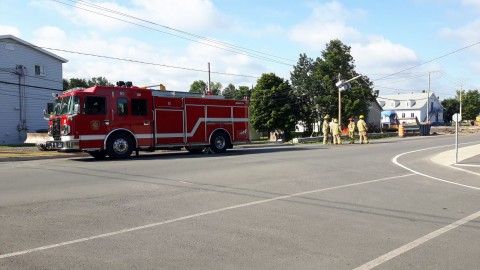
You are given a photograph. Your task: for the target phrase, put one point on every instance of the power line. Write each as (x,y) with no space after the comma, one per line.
(137,61)
(177,30)
(32,86)
(157,30)
(429,61)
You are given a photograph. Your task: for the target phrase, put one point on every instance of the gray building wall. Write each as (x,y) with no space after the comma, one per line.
(23,102)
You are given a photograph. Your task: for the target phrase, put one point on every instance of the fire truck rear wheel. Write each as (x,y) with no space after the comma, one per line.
(119,146)
(219,142)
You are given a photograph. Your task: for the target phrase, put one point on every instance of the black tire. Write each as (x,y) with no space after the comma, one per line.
(101,154)
(219,142)
(195,149)
(120,145)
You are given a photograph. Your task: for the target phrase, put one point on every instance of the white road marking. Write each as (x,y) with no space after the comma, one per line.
(399,251)
(394,253)
(18,253)
(395,161)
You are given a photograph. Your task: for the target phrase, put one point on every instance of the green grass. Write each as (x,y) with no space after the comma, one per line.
(18,145)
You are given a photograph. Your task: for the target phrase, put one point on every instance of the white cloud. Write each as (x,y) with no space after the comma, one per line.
(379,55)
(196,57)
(9,30)
(187,15)
(373,54)
(467,34)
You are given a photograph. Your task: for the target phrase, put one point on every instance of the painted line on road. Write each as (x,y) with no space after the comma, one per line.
(395,161)
(399,251)
(18,253)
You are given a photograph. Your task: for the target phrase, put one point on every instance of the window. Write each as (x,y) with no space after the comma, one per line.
(139,106)
(412,114)
(9,46)
(39,70)
(403,115)
(95,106)
(122,106)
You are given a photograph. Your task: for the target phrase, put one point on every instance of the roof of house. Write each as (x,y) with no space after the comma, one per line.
(30,45)
(413,101)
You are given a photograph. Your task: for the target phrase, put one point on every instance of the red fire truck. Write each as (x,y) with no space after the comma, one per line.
(117,120)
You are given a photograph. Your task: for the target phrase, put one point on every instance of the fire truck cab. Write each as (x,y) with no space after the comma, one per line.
(115,121)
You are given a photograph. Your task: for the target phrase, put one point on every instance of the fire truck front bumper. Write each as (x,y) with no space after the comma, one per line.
(63,146)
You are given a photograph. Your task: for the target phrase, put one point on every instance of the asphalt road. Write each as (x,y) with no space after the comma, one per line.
(384,205)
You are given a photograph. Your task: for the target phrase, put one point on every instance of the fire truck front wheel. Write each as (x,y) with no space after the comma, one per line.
(120,145)
(219,142)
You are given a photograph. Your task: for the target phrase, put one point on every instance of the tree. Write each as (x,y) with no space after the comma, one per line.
(229,91)
(198,87)
(74,82)
(470,104)
(99,81)
(242,92)
(272,105)
(451,106)
(336,60)
(77,82)
(305,91)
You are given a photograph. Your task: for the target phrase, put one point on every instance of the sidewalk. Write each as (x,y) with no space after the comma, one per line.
(468,158)
(31,153)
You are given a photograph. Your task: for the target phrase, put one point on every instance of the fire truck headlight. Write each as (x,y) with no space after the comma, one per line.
(65,129)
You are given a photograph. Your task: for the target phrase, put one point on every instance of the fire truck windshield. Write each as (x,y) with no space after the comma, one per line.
(66,105)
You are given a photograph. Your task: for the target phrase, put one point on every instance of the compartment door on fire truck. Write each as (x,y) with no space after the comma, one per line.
(169,125)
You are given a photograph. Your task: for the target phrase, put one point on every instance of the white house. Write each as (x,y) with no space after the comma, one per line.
(28,77)
(411,105)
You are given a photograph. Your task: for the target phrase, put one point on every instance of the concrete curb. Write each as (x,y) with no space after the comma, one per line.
(447,158)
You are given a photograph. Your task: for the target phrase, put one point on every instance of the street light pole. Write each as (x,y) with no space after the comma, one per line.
(342,86)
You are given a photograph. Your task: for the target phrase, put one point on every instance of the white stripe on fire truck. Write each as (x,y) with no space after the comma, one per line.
(91,137)
(199,121)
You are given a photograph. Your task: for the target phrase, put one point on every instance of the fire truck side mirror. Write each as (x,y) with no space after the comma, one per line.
(76,108)
(46,116)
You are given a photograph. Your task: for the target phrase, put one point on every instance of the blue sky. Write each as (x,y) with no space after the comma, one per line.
(385,36)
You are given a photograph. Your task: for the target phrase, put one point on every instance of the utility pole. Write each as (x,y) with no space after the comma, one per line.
(208,87)
(428,99)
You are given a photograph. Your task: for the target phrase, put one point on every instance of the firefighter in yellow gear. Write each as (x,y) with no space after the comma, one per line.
(326,130)
(362,130)
(336,131)
(351,130)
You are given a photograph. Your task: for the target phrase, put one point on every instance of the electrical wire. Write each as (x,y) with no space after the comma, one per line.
(86,3)
(154,29)
(135,61)
(429,61)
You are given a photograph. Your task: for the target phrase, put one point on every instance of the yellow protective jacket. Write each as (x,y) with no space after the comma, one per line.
(326,127)
(351,127)
(361,125)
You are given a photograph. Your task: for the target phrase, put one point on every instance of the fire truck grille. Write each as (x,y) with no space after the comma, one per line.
(56,129)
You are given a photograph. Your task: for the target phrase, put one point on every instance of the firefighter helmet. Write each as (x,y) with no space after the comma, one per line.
(326,117)
(351,119)
(335,120)
(361,116)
